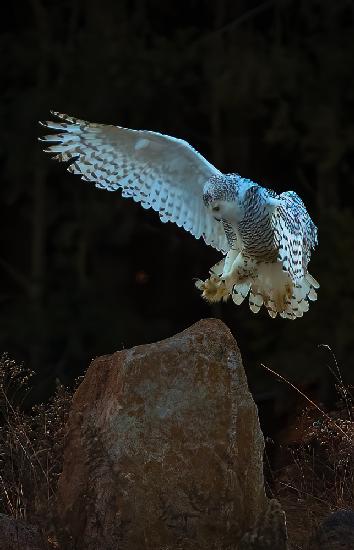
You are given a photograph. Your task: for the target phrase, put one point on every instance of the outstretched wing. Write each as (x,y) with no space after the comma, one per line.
(295,235)
(159,171)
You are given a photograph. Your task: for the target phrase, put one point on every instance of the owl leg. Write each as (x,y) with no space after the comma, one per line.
(230,259)
(240,271)
(223,276)
(213,289)
(217,269)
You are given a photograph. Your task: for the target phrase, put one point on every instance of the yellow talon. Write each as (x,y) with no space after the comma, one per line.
(213,289)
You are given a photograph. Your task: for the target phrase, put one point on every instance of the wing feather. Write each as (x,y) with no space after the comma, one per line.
(159,171)
(295,235)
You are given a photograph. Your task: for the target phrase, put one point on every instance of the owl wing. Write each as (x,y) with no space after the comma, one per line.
(159,171)
(295,234)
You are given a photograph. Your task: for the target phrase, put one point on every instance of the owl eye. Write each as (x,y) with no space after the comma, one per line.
(216,208)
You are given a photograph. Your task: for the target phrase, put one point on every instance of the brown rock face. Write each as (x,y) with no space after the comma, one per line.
(164,448)
(16,535)
(335,533)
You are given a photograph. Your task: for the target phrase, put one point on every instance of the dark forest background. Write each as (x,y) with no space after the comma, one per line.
(265,89)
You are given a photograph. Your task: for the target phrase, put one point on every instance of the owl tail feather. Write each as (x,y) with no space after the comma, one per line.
(274,288)
(270,286)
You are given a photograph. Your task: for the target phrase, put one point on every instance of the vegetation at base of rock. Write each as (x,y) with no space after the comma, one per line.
(31,448)
(317,475)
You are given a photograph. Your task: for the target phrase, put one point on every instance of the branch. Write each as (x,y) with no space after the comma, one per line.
(251,14)
(326,416)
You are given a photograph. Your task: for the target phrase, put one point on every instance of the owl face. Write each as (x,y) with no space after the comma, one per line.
(223,197)
(230,211)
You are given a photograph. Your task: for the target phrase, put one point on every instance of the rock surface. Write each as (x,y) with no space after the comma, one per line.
(335,533)
(15,534)
(269,533)
(164,449)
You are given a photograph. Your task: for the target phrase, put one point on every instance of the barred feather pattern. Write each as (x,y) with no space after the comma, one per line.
(159,171)
(274,239)
(282,244)
(256,227)
(295,235)
(269,286)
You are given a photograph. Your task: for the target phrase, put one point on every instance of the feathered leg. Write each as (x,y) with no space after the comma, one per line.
(230,277)
(213,290)
(240,271)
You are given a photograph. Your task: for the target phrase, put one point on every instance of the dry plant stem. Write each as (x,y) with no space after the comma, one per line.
(342,390)
(307,399)
(9,405)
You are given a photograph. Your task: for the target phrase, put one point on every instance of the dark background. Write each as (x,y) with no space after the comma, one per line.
(265,89)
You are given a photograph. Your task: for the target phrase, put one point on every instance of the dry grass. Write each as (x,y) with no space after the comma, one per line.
(317,476)
(31,445)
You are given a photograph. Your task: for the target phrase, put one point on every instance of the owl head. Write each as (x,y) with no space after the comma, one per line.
(224,196)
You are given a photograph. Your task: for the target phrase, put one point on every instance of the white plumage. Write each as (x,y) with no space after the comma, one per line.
(266,238)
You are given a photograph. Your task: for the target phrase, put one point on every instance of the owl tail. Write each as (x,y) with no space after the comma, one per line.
(280,295)
(269,286)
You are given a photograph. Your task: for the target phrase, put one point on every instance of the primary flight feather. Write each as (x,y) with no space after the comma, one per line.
(266,238)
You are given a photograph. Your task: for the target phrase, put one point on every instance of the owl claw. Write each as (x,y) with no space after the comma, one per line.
(213,289)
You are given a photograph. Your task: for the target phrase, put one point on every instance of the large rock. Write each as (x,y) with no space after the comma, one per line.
(336,532)
(17,535)
(164,449)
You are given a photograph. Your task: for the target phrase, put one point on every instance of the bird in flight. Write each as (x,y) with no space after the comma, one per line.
(266,239)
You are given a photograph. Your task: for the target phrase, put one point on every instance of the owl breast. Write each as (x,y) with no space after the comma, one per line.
(256,229)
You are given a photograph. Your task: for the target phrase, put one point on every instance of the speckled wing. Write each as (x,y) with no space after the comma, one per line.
(295,235)
(159,171)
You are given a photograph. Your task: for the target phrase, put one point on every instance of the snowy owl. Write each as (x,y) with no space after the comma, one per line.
(266,239)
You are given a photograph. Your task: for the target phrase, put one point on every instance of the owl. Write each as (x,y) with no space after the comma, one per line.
(266,239)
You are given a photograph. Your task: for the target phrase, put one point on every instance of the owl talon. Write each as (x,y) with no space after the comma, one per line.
(213,289)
